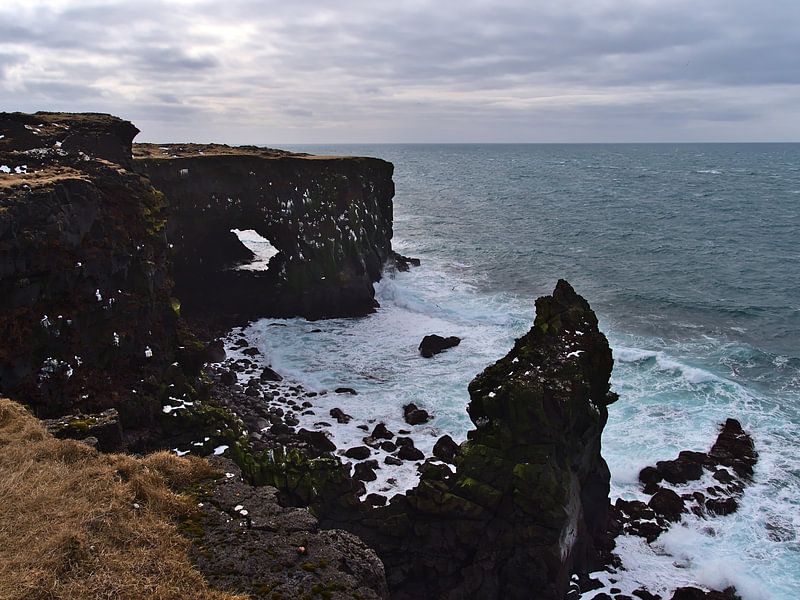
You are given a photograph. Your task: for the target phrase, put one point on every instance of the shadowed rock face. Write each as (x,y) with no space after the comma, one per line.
(528,503)
(330,219)
(84,278)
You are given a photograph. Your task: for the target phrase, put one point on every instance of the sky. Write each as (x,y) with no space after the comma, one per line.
(353,71)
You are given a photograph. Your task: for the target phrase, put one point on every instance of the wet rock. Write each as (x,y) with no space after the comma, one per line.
(341,417)
(650,475)
(267,374)
(346,390)
(317,440)
(391,460)
(668,504)
(644,594)
(680,470)
(409,453)
(722,506)
(252,391)
(228,377)
(693,593)
(365,471)
(414,415)
(445,449)
(358,452)
(215,352)
(388,447)
(434,344)
(403,263)
(381,432)
(375,499)
(252,351)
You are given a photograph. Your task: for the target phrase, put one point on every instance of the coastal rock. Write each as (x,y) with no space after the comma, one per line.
(244,540)
(403,263)
(341,417)
(358,452)
(434,344)
(415,416)
(528,503)
(268,374)
(445,449)
(731,460)
(329,218)
(86,308)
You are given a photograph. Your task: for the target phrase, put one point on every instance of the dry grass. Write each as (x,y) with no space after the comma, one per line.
(70,526)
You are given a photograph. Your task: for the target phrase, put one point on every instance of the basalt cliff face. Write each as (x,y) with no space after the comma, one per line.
(92,243)
(330,219)
(528,503)
(85,311)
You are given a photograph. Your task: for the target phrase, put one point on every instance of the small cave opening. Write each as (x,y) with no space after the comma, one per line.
(261,248)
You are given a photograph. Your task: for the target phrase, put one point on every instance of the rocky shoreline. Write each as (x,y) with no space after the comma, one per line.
(121,313)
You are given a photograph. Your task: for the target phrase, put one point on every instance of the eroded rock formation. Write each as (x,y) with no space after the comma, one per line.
(85,310)
(330,219)
(528,503)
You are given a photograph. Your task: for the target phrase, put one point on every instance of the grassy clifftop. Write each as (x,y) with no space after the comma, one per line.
(75,523)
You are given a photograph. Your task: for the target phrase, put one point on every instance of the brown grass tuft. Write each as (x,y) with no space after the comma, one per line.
(70,528)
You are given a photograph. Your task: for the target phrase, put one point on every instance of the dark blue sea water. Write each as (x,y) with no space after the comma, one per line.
(690,256)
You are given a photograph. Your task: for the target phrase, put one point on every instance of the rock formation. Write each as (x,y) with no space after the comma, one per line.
(527,505)
(435,344)
(329,218)
(85,309)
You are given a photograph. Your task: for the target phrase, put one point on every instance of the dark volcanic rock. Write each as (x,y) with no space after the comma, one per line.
(528,503)
(445,449)
(409,453)
(346,390)
(381,432)
(85,292)
(103,427)
(317,440)
(414,415)
(693,593)
(267,374)
(330,218)
(340,416)
(365,471)
(358,452)
(403,263)
(668,504)
(244,540)
(434,344)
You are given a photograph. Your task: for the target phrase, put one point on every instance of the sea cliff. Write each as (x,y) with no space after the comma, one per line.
(119,269)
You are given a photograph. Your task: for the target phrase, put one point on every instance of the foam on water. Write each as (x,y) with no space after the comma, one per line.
(670,401)
(378,357)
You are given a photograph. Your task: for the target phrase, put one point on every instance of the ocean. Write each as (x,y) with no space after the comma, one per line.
(689,255)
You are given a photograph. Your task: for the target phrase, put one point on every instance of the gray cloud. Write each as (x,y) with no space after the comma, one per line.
(249,71)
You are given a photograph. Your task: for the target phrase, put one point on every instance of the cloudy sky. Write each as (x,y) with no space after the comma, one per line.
(305,71)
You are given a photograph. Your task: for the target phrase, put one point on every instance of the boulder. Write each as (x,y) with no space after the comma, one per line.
(445,449)
(434,344)
(358,452)
(414,415)
(268,374)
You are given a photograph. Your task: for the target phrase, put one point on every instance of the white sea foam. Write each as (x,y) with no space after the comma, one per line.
(671,398)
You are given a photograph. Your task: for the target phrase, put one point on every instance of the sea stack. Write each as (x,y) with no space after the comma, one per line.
(528,503)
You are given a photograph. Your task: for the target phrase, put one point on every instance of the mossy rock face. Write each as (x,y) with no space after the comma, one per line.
(528,502)
(103,429)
